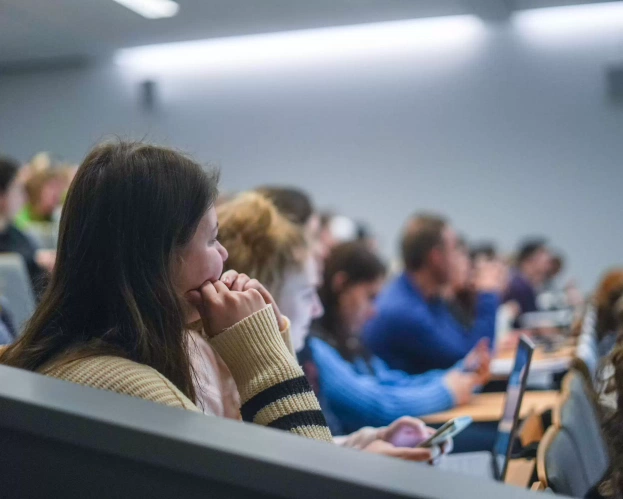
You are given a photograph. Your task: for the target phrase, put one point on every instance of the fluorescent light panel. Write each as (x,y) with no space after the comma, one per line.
(452,33)
(151,9)
(570,19)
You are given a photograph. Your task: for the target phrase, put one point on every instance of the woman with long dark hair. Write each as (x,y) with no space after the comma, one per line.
(138,261)
(360,388)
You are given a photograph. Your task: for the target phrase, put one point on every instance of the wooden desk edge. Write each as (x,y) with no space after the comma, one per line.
(495,411)
(520,472)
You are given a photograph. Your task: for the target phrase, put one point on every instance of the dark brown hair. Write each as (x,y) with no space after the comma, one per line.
(528,248)
(609,290)
(291,202)
(130,208)
(613,425)
(421,234)
(8,172)
(360,265)
(262,242)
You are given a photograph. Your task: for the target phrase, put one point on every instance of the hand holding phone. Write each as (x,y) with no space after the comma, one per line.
(447,431)
(405,432)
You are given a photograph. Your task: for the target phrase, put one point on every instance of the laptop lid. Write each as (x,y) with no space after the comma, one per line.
(507,428)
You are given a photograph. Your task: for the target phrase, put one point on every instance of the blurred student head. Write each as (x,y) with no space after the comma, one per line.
(608,292)
(267,246)
(461,269)
(483,251)
(556,265)
(461,292)
(429,245)
(327,238)
(534,260)
(11,193)
(44,191)
(353,277)
(298,207)
(138,232)
(613,425)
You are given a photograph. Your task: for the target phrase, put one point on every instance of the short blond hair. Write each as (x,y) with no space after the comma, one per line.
(261,242)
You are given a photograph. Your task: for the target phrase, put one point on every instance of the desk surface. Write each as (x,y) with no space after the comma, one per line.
(542,362)
(566,352)
(520,472)
(488,407)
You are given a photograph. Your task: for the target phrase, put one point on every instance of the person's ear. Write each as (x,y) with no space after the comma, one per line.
(338,282)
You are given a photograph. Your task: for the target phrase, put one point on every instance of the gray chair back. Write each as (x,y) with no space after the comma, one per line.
(16,286)
(588,351)
(580,419)
(563,471)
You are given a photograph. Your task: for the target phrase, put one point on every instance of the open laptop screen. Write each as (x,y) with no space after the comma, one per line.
(514,395)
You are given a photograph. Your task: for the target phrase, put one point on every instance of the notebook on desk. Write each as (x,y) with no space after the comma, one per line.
(494,464)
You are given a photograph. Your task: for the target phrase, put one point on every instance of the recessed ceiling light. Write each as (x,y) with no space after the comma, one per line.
(570,20)
(151,9)
(449,34)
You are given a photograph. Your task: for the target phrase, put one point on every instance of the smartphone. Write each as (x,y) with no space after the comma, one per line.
(447,431)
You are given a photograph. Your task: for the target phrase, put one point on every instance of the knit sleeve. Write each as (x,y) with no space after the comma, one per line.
(287,339)
(122,376)
(273,389)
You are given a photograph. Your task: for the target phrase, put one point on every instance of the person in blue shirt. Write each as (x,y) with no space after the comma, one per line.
(359,388)
(413,329)
(269,241)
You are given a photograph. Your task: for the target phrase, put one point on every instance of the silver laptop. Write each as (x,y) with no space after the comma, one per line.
(495,463)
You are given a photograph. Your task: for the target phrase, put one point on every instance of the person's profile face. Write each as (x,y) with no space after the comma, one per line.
(317,240)
(461,269)
(356,304)
(447,255)
(50,196)
(541,263)
(298,300)
(200,260)
(12,200)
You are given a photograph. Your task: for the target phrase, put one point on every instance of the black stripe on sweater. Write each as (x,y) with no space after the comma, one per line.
(294,386)
(298,419)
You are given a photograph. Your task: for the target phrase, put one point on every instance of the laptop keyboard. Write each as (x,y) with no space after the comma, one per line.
(471,463)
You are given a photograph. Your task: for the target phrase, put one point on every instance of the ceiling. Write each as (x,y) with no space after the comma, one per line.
(35,31)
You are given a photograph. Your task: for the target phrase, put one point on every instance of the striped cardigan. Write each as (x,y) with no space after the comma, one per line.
(272,387)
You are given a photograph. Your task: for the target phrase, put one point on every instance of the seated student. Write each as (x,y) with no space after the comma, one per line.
(530,274)
(413,329)
(608,292)
(12,239)
(607,393)
(483,251)
(265,245)
(360,388)
(297,206)
(138,261)
(613,424)
(45,186)
(460,292)
(556,294)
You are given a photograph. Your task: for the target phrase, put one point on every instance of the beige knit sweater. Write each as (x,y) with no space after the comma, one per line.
(218,395)
(272,387)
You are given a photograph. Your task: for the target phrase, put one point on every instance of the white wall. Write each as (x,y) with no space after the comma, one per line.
(508,134)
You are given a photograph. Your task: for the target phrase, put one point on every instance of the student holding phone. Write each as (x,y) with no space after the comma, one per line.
(361,390)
